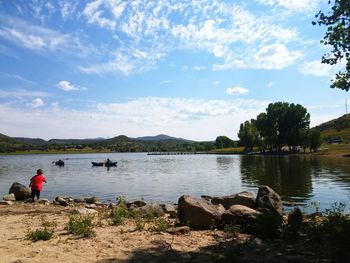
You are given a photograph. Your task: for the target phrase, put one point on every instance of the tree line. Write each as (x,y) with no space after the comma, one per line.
(283,126)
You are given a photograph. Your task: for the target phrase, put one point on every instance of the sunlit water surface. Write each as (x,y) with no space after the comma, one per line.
(300,179)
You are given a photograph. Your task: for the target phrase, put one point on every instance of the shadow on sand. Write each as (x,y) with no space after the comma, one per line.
(275,251)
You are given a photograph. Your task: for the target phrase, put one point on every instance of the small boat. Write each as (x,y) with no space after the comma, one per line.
(109,164)
(59,163)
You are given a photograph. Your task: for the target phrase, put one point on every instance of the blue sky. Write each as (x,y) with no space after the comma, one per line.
(191,69)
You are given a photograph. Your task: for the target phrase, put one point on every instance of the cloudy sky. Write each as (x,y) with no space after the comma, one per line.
(191,69)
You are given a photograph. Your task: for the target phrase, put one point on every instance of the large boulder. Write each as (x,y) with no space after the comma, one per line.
(20,191)
(243,198)
(240,215)
(269,203)
(198,212)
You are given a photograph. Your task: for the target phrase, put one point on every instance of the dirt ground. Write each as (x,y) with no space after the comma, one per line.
(110,244)
(125,244)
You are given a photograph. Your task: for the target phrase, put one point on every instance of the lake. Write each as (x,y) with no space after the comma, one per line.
(164,178)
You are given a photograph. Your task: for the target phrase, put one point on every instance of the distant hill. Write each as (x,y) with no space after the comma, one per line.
(339,127)
(340,123)
(160,137)
(120,143)
(74,141)
(11,144)
(41,142)
(33,141)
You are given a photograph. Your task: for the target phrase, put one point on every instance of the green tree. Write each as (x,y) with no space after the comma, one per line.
(338,36)
(314,139)
(224,142)
(248,135)
(282,124)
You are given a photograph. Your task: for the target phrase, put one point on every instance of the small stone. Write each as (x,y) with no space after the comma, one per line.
(44,201)
(9,197)
(90,206)
(178,230)
(86,211)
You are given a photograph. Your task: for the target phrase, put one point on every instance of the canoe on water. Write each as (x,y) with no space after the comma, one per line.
(104,164)
(59,163)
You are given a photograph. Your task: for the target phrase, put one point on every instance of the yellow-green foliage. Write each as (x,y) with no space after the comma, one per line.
(80,226)
(229,150)
(331,133)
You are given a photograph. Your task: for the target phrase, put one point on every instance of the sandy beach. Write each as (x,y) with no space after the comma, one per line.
(110,244)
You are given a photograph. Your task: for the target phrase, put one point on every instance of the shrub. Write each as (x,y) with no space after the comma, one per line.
(232,229)
(160,224)
(333,233)
(139,224)
(40,234)
(80,226)
(119,213)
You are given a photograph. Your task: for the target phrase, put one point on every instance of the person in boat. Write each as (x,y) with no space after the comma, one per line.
(36,184)
(60,162)
(108,162)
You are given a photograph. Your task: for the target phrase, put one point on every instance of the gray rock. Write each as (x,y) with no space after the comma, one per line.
(243,198)
(91,200)
(79,200)
(181,230)
(206,197)
(20,191)
(63,201)
(90,206)
(150,210)
(199,213)
(137,203)
(295,217)
(44,201)
(240,215)
(86,211)
(9,197)
(268,201)
(169,209)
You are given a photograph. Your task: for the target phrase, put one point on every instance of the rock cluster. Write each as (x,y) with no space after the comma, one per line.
(238,209)
(242,209)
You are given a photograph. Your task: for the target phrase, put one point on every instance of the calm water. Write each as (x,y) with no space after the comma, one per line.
(300,179)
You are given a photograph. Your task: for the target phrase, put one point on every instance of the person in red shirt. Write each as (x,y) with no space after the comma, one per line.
(36,184)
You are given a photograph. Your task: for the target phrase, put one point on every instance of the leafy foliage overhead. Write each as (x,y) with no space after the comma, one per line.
(337,36)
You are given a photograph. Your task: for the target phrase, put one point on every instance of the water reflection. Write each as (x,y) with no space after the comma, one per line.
(290,176)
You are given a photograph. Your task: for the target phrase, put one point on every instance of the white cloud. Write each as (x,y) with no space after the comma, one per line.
(199,68)
(269,84)
(164,82)
(315,68)
(303,6)
(67,86)
(37,103)
(146,32)
(236,91)
(275,56)
(67,8)
(41,39)
(22,93)
(197,119)
(216,82)
(94,15)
